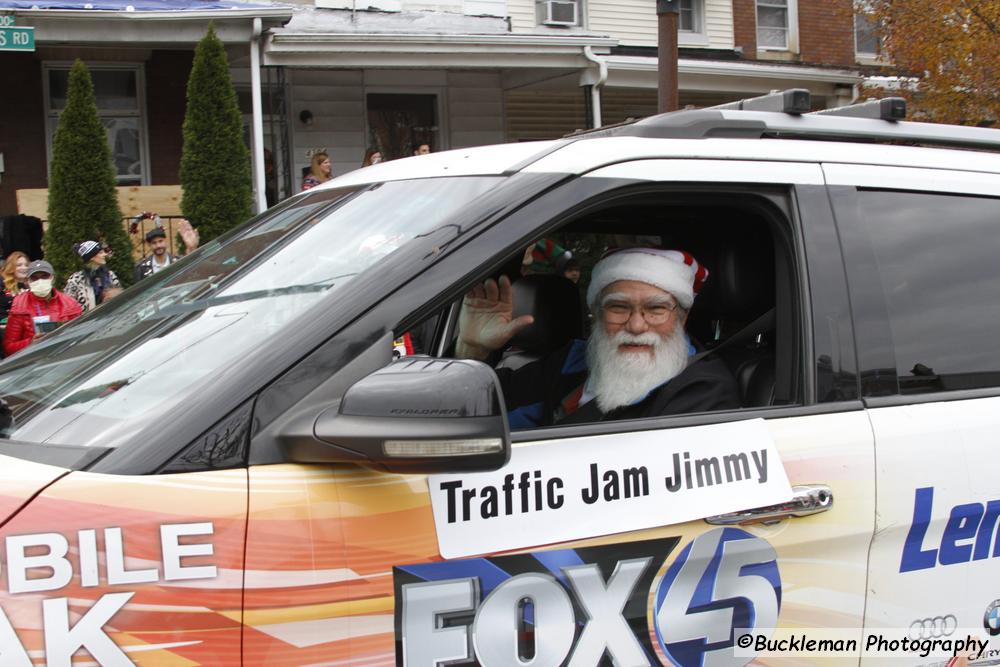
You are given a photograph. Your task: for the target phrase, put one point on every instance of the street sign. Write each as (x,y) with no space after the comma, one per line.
(17,39)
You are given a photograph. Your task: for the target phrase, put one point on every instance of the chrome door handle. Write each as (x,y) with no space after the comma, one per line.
(807,499)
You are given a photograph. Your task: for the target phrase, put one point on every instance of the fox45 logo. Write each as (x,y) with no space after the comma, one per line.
(726,579)
(590,606)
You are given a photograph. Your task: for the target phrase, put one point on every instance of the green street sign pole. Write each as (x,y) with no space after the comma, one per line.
(17,39)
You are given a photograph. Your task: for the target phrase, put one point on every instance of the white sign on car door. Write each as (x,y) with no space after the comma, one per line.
(577,488)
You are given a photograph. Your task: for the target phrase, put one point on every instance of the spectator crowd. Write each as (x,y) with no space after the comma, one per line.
(31,306)
(319,169)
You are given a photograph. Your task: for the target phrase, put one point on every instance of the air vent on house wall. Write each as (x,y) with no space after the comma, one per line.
(560,12)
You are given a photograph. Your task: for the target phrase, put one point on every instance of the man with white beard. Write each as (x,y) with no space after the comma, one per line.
(635,363)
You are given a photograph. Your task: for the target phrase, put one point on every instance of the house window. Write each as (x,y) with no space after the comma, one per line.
(690,17)
(398,123)
(866,41)
(117,90)
(776,24)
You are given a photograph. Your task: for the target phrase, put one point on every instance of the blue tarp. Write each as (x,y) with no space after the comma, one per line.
(136,5)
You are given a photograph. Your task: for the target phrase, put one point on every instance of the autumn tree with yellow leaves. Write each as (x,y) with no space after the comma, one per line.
(951,48)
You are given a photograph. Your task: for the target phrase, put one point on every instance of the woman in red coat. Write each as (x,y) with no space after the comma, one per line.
(40,304)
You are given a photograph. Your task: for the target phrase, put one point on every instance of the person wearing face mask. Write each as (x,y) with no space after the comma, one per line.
(36,311)
(96,283)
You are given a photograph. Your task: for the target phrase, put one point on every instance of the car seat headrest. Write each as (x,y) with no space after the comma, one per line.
(741,284)
(555,304)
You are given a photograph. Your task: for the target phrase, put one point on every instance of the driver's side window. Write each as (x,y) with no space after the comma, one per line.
(651,308)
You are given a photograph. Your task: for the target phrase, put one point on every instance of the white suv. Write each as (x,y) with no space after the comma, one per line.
(226,466)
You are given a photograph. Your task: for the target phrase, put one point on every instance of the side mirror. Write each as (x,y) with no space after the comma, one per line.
(418,415)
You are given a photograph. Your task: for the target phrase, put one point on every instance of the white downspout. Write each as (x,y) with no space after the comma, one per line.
(595,90)
(257,121)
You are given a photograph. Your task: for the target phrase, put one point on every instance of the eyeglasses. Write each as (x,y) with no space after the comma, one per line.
(620,312)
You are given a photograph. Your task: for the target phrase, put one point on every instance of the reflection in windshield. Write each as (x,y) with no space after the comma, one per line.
(138,357)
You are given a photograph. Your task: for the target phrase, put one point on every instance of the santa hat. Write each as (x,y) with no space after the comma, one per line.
(673,271)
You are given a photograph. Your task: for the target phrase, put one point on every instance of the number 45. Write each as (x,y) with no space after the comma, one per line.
(726,579)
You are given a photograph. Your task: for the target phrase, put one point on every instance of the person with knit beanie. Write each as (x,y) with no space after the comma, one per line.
(636,361)
(95,283)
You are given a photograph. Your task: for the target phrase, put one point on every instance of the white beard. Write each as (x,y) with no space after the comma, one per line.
(620,378)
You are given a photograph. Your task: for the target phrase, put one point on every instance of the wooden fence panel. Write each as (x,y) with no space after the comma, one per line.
(132,200)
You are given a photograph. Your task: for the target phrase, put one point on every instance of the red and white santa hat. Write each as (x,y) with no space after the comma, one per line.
(673,271)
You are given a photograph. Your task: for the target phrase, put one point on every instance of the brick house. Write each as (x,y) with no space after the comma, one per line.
(342,75)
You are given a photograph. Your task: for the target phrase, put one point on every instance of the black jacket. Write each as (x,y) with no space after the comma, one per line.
(145,266)
(543,393)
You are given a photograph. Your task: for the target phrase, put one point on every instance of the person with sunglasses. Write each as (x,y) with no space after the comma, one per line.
(636,361)
(95,283)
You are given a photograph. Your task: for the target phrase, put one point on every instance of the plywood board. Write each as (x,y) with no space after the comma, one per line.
(132,200)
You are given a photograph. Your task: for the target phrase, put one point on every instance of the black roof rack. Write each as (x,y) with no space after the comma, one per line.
(876,121)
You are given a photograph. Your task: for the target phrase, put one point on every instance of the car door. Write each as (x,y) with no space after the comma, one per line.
(577,551)
(122,569)
(924,291)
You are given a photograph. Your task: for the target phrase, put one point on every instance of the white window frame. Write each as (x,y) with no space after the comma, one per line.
(867,56)
(699,35)
(139,113)
(791,26)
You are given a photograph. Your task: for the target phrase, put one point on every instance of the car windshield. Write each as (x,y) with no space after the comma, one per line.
(135,358)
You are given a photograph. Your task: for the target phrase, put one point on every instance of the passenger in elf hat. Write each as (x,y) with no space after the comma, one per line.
(635,363)
(37,310)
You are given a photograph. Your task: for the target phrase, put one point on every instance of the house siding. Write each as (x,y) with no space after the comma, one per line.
(522,15)
(470,107)
(336,100)
(475,109)
(719,23)
(538,114)
(534,115)
(634,22)
(485,7)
